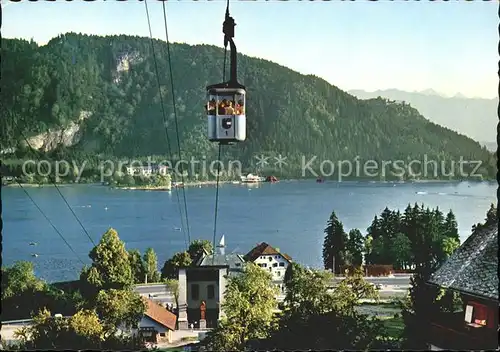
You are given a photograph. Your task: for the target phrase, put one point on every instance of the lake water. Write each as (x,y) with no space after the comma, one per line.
(290,215)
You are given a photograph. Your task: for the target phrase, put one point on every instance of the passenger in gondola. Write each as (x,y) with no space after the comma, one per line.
(229,108)
(222,107)
(242,108)
(237,109)
(211,107)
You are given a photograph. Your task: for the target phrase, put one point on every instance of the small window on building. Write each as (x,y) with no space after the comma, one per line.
(278,273)
(210,291)
(270,269)
(237,264)
(479,314)
(275,265)
(468,313)
(282,264)
(264,265)
(162,334)
(195,291)
(270,258)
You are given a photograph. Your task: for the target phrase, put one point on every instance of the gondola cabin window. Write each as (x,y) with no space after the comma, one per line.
(212,105)
(224,105)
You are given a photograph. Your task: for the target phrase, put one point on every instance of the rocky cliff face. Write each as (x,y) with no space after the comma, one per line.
(123,63)
(68,136)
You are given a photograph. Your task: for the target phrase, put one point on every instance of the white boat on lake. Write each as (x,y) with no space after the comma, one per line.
(250,178)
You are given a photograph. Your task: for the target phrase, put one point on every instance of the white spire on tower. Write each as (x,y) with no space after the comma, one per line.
(221,245)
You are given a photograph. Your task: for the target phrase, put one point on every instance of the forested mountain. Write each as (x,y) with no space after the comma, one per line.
(103,93)
(474,117)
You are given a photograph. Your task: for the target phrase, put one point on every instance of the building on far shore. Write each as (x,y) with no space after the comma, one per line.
(270,259)
(147,170)
(472,271)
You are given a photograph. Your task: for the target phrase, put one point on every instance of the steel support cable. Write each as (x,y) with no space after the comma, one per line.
(57,188)
(165,119)
(50,222)
(176,120)
(216,211)
(216,203)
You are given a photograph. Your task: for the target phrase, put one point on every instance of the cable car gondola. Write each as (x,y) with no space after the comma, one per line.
(226,101)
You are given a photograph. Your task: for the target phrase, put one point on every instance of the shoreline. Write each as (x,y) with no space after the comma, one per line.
(164,188)
(237,182)
(142,188)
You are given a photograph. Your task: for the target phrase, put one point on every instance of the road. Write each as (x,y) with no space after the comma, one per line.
(7,333)
(155,292)
(400,280)
(391,286)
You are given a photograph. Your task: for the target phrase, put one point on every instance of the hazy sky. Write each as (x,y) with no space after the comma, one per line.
(447,46)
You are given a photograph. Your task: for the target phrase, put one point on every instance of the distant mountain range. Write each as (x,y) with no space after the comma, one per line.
(474,117)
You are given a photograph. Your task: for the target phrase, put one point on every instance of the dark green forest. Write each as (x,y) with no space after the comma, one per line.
(76,79)
(394,238)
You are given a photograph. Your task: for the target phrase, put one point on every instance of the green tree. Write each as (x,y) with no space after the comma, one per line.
(31,294)
(117,177)
(449,245)
(110,267)
(377,251)
(401,251)
(173,287)
(151,265)
(23,293)
(491,219)
(492,215)
(171,267)
(197,247)
(18,278)
(389,226)
(352,289)
(46,332)
(368,247)
(163,181)
(425,231)
(86,324)
(355,247)
(82,331)
(248,306)
(306,292)
(290,272)
(128,180)
(334,244)
(316,318)
(451,226)
(137,266)
(119,307)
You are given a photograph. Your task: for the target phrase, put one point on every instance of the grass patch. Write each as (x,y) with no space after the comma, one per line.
(394,326)
(391,338)
(189,338)
(392,304)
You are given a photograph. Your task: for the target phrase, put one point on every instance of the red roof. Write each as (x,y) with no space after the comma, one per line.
(264,249)
(160,314)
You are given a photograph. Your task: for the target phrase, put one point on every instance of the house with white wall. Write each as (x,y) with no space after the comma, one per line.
(272,260)
(157,324)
